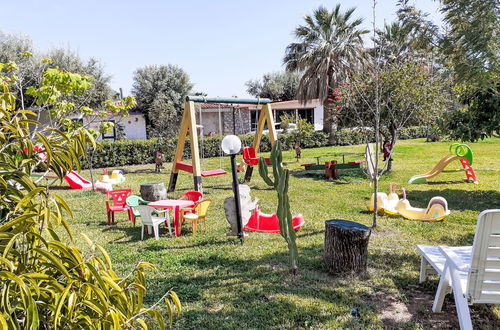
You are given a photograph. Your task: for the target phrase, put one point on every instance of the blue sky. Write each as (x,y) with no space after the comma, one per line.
(220,43)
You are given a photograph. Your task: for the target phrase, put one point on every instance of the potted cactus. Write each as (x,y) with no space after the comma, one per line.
(280,183)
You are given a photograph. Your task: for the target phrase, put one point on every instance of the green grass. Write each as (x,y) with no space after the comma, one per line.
(225,285)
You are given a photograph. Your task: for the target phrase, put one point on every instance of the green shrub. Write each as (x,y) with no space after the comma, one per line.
(136,152)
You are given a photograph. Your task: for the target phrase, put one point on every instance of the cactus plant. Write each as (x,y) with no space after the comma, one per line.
(280,183)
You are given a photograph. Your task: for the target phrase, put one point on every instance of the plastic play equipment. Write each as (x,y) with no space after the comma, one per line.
(332,168)
(76,181)
(188,126)
(385,203)
(269,223)
(437,208)
(250,157)
(115,178)
(460,152)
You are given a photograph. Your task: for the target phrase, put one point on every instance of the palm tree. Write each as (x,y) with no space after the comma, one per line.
(329,49)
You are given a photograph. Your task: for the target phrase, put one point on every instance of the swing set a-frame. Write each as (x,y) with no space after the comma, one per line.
(188,127)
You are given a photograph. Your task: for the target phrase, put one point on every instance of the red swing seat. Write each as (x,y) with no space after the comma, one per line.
(250,157)
(269,223)
(181,166)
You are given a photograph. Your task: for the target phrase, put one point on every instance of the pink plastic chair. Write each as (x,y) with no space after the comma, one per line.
(194,196)
(118,198)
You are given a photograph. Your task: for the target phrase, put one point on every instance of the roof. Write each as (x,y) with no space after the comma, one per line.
(222,105)
(281,105)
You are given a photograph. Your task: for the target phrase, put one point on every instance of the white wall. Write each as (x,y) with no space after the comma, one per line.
(134,127)
(210,122)
(318,118)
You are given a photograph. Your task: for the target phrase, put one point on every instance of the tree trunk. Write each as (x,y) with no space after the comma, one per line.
(346,246)
(152,192)
(330,122)
(394,136)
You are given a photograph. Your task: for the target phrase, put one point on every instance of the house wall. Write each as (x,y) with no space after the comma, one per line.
(318,118)
(134,127)
(242,122)
(210,122)
(314,104)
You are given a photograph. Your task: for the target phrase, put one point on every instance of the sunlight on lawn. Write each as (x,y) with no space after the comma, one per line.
(225,285)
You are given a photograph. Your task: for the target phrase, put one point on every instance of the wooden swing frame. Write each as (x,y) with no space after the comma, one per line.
(188,126)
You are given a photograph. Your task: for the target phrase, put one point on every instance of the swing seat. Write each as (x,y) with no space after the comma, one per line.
(269,223)
(250,157)
(189,168)
(213,172)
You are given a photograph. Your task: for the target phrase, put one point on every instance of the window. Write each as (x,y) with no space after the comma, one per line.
(254,119)
(307,114)
(110,135)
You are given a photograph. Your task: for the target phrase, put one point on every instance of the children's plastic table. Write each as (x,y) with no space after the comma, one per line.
(175,205)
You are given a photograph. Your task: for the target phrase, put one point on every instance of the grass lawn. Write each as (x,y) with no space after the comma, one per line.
(225,285)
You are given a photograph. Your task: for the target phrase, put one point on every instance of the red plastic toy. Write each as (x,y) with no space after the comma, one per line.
(194,196)
(269,223)
(76,181)
(250,157)
(386,150)
(119,199)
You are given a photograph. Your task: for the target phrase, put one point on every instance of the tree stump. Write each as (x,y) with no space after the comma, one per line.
(346,246)
(153,192)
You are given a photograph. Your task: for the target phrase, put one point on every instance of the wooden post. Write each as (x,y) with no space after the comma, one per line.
(195,152)
(188,125)
(265,116)
(346,246)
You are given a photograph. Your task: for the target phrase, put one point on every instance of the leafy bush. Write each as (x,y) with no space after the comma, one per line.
(45,282)
(135,152)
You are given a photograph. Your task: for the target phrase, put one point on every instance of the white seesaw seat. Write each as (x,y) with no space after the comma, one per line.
(472,273)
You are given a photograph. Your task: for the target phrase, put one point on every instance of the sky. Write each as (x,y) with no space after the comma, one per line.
(221,44)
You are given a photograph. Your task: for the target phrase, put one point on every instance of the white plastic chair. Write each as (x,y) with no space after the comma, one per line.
(147,219)
(472,273)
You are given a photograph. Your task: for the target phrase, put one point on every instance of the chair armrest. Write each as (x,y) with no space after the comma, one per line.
(454,259)
(186,209)
(160,211)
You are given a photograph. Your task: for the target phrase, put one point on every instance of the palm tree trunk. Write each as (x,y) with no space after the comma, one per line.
(330,122)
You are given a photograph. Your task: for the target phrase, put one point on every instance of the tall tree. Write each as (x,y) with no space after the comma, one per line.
(69,61)
(329,50)
(20,49)
(277,86)
(160,91)
(472,42)
(472,48)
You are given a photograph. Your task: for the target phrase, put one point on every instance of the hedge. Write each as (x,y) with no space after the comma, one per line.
(135,152)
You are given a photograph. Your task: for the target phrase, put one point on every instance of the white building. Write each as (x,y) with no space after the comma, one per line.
(222,119)
(312,111)
(134,125)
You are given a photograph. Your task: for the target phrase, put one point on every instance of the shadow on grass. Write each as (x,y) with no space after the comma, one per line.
(418,298)
(258,293)
(346,176)
(60,188)
(477,200)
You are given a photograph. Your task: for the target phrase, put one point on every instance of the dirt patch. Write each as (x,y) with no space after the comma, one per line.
(392,311)
(415,306)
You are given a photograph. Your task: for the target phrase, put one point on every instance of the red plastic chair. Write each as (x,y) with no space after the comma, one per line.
(250,157)
(194,196)
(116,200)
